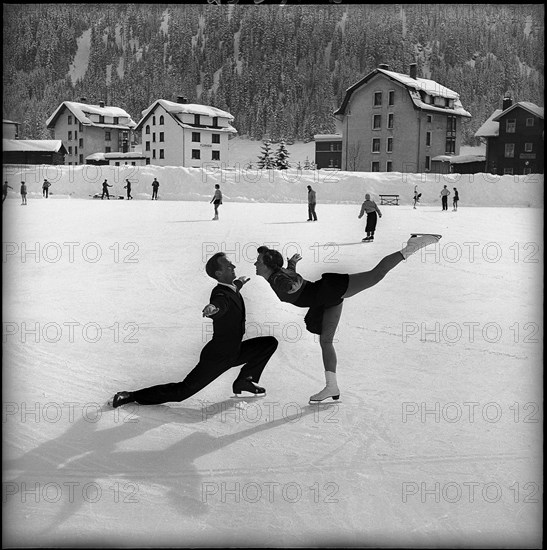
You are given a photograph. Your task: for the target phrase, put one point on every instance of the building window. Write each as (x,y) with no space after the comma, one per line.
(161,120)
(196,154)
(69,136)
(147,130)
(390,121)
(529,122)
(147,160)
(376,122)
(451,124)
(153,153)
(162,154)
(215,138)
(377,99)
(376,145)
(76,150)
(75,134)
(391,97)
(70,149)
(507,171)
(70,120)
(81,142)
(375,166)
(428,139)
(509,150)
(107,136)
(107,149)
(116,120)
(162,136)
(153,121)
(427,162)
(116,163)
(81,159)
(196,137)
(81,127)
(510,126)
(197,120)
(215,155)
(389,166)
(389,147)
(101,119)
(215,121)
(429,119)
(450,145)
(147,148)
(528,147)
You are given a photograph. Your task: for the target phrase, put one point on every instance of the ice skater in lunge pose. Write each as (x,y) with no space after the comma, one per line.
(325,297)
(226,349)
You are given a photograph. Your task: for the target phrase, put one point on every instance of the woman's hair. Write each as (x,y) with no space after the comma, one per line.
(271,258)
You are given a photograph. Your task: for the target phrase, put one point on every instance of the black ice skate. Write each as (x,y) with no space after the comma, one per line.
(121,398)
(247,388)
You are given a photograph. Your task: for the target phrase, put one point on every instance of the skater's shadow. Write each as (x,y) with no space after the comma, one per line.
(189,221)
(97,457)
(283,223)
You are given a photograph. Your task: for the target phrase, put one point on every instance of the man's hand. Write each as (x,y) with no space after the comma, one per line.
(295,258)
(240,281)
(209,310)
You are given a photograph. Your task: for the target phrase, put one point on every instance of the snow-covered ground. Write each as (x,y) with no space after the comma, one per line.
(437,441)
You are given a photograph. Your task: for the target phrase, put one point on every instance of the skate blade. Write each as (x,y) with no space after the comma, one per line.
(247,395)
(327,401)
(422,234)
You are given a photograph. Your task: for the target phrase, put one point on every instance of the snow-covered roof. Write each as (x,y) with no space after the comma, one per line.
(327,137)
(5,121)
(37,145)
(459,159)
(128,155)
(527,105)
(414,87)
(175,109)
(81,110)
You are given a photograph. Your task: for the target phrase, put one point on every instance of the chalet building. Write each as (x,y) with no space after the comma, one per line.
(328,151)
(397,122)
(33,151)
(10,129)
(85,129)
(514,139)
(185,134)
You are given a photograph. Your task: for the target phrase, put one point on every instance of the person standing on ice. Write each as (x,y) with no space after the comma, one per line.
(105,190)
(416,196)
(155,187)
(372,211)
(444,197)
(5,190)
(226,349)
(312,201)
(216,200)
(128,187)
(45,189)
(455,199)
(325,297)
(23,193)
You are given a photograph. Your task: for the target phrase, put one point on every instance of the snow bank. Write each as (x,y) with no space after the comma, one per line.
(276,186)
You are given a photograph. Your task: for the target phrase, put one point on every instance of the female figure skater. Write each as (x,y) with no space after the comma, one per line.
(217,200)
(325,297)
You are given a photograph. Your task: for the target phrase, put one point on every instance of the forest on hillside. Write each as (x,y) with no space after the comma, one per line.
(280,70)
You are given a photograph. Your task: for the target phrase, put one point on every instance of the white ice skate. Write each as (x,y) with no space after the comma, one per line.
(418,241)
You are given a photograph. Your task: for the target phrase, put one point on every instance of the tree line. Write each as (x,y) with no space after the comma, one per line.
(280,70)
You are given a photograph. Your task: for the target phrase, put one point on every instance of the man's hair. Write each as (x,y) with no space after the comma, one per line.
(271,258)
(212,265)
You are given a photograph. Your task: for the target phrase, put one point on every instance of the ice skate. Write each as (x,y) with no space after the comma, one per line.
(121,398)
(330,390)
(418,241)
(247,388)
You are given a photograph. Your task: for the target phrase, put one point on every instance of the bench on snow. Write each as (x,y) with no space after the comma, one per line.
(389,199)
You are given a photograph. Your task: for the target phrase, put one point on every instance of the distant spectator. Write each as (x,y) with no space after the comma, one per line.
(372,211)
(5,190)
(45,189)
(455,199)
(155,186)
(444,197)
(312,201)
(128,187)
(23,193)
(416,196)
(216,200)
(105,190)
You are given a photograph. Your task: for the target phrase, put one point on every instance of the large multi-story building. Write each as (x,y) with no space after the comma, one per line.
(514,139)
(397,122)
(86,129)
(185,134)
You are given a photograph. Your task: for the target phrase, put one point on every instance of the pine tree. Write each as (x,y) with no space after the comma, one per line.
(307,164)
(266,161)
(282,157)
